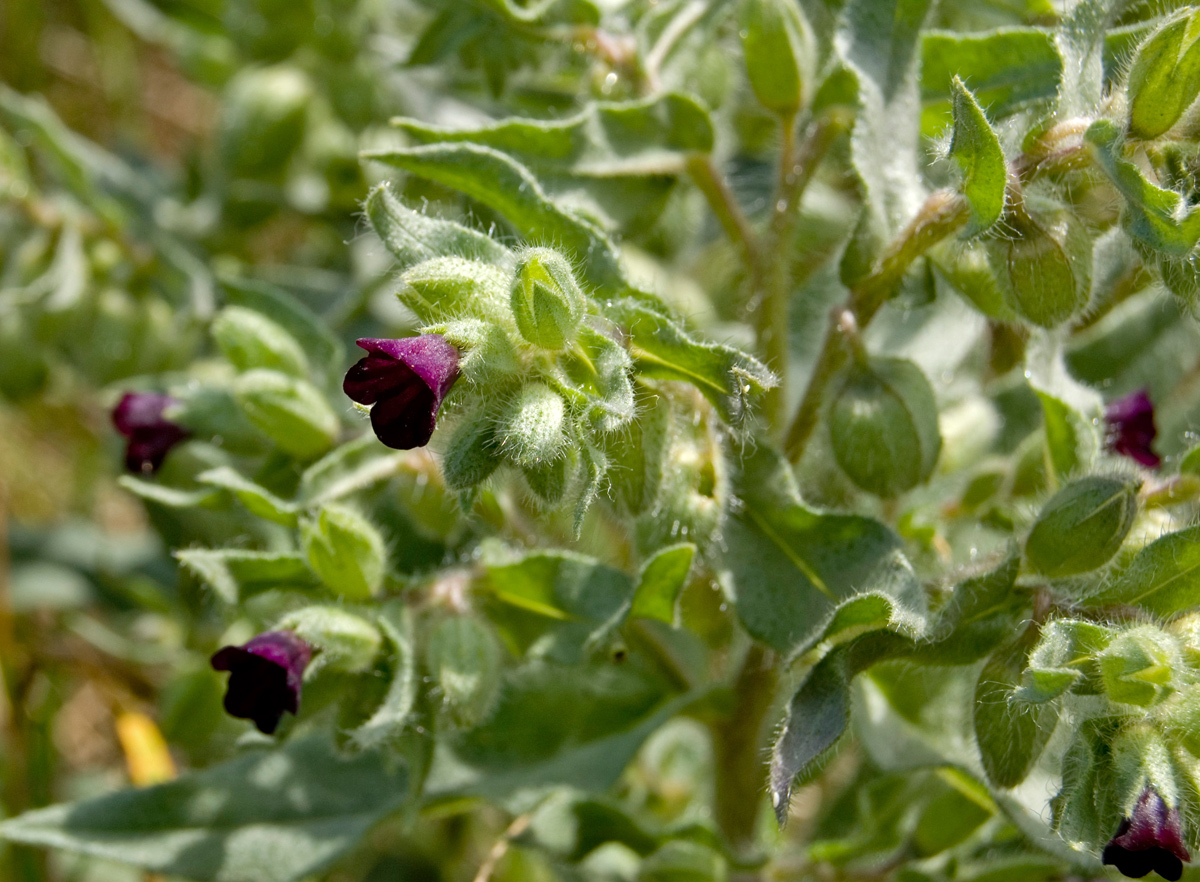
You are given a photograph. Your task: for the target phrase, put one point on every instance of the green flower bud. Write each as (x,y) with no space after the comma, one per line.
(251,340)
(447,288)
(1063,659)
(1045,269)
(463,658)
(884,426)
(1082,526)
(344,641)
(1164,78)
(780,51)
(532,431)
(291,412)
(1138,666)
(345,551)
(264,116)
(546,300)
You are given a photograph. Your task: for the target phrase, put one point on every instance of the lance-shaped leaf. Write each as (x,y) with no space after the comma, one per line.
(977,151)
(560,584)
(662,579)
(505,185)
(267,816)
(1011,735)
(258,500)
(234,573)
(878,41)
(1164,578)
(788,567)
(1153,216)
(625,155)
(981,615)
(414,237)
(349,468)
(395,711)
(1008,69)
(662,349)
(171,497)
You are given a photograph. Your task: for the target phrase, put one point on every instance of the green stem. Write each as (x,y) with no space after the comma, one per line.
(729,214)
(738,745)
(943,213)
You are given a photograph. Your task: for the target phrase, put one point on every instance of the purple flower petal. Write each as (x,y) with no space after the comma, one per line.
(1131,429)
(1150,839)
(147,448)
(265,677)
(406,381)
(139,417)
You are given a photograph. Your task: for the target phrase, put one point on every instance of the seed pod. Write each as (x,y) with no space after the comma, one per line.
(251,340)
(546,300)
(291,412)
(779,49)
(532,430)
(1045,269)
(264,116)
(884,426)
(345,551)
(1164,78)
(463,658)
(1082,526)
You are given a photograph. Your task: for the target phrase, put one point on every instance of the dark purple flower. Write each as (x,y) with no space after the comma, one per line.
(406,380)
(139,417)
(264,677)
(1131,427)
(1151,839)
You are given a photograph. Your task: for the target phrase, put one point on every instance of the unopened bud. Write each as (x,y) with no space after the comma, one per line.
(290,411)
(472,454)
(1045,270)
(532,431)
(884,426)
(251,340)
(780,51)
(345,551)
(1138,665)
(546,301)
(1082,526)
(447,288)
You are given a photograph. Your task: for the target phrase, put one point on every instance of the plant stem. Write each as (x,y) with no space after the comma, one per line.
(943,213)
(729,214)
(737,743)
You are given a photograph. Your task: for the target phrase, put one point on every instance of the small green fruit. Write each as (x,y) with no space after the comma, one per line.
(1045,269)
(1164,78)
(1082,526)
(290,411)
(345,551)
(251,340)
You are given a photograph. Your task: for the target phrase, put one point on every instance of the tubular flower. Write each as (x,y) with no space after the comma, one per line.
(264,677)
(139,417)
(1150,839)
(406,381)
(1131,427)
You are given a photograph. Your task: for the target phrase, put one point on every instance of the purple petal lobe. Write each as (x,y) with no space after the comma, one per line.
(139,417)
(372,377)
(1151,839)
(406,381)
(430,356)
(1131,429)
(141,410)
(406,419)
(265,677)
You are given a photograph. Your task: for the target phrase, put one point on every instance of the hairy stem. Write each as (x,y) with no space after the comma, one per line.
(942,214)
(729,214)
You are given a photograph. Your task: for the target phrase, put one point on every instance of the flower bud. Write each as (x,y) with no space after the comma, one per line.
(532,431)
(546,300)
(780,51)
(451,287)
(345,551)
(1164,78)
(251,340)
(265,676)
(290,411)
(1137,667)
(139,416)
(1082,526)
(1045,269)
(264,115)
(1150,835)
(463,657)
(346,642)
(548,481)
(884,426)
(1065,655)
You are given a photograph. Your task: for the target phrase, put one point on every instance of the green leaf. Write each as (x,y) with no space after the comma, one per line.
(560,585)
(662,349)
(508,187)
(879,42)
(1164,577)
(414,237)
(1008,69)
(347,469)
(952,815)
(258,500)
(661,582)
(1068,437)
(1164,78)
(171,497)
(234,573)
(1153,216)
(624,156)
(977,151)
(291,412)
(788,567)
(267,816)
(1065,656)
(981,615)
(394,713)
(1011,735)
(324,350)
